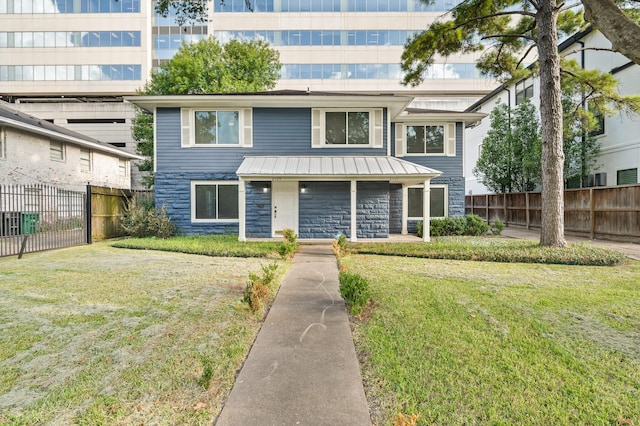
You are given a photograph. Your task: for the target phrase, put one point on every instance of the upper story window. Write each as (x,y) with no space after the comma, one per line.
(216,128)
(70,72)
(69,6)
(427,139)
(85,159)
(322,37)
(56,150)
(70,39)
(376,71)
(340,128)
(123,168)
(524,90)
(336,6)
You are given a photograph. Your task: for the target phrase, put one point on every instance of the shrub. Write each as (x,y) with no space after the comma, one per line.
(256,293)
(290,243)
(354,289)
(142,220)
(476,225)
(339,244)
(497,227)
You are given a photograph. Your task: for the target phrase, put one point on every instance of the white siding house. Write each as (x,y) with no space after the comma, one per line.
(619,159)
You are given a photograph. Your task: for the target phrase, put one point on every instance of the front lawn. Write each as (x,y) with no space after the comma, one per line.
(95,335)
(463,342)
(207,245)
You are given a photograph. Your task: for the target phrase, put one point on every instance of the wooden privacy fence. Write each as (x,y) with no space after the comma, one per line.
(611,213)
(107,206)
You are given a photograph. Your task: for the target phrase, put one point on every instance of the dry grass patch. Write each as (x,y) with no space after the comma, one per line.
(98,335)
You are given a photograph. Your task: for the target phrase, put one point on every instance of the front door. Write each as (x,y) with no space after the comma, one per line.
(285,207)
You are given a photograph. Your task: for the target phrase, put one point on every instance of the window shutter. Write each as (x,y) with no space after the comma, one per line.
(247,126)
(316,128)
(450,136)
(377,128)
(186,127)
(400,140)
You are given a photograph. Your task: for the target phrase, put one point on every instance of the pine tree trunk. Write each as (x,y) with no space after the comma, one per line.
(552,226)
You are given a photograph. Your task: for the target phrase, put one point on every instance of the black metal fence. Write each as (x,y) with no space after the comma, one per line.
(40,217)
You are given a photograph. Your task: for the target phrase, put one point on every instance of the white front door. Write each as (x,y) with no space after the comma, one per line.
(284,210)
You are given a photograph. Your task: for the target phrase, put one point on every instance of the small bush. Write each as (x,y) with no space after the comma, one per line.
(142,220)
(454,226)
(354,289)
(256,293)
(290,243)
(476,226)
(497,227)
(339,244)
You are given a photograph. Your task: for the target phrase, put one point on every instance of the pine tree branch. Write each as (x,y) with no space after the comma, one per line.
(571,6)
(583,49)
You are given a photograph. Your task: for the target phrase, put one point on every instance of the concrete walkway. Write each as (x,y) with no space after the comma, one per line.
(302,368)
(631,250)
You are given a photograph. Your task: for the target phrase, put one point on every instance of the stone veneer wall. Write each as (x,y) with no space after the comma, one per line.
(258,214)
(372,201)
(395,208)
(174,191)
(324,210)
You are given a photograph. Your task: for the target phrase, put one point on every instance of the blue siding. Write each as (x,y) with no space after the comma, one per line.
(173,190)
(325,210)
(455,187)
(372,211)
(276,131)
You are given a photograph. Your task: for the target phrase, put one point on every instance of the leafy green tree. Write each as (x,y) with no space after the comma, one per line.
(515,29)
(581,147)
(510,157)
(206,67)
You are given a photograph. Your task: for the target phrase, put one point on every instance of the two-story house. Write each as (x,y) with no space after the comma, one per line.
(318,163)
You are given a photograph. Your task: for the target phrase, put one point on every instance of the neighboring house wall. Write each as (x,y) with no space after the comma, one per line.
(620,142)
(28,159)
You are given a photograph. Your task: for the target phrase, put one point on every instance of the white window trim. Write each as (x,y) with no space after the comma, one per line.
(195,183)
(449,140)
(318,124)
(188,128)
(446,200)
(125,168)
(63,149)
(3,143)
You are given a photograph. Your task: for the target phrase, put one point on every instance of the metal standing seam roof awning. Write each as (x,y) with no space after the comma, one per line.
(334,168)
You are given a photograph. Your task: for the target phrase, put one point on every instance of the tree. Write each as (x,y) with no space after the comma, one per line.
(517,29)
(510,157)
(206,67)
(619,27)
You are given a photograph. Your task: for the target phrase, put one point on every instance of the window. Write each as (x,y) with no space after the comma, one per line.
(346,128)
(123,168)
(85,160)
(3,142)
(56,150)
(425,139)
(438,204)
(524,90)
(216,128)
(599,127)
(428,139)
(213,201)
(627,177)
(339,128)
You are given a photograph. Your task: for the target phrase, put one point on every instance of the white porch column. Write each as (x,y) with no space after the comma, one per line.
(242,210)
(405,208)
(426,210)
(354,211)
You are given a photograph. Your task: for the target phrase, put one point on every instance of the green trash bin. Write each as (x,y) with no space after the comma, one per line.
(29,222)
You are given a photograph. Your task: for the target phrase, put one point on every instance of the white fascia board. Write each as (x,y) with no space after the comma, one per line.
(67,138)
(395,104)
(341,178)
(465,117)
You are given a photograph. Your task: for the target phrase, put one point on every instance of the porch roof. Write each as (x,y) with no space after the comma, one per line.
(334,168)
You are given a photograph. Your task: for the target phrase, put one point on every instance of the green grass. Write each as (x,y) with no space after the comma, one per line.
(207,245)
(499,343)
(494,250)
(95,335)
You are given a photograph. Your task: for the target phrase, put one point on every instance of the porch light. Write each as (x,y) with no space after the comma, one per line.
(303,189)
(265,189)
